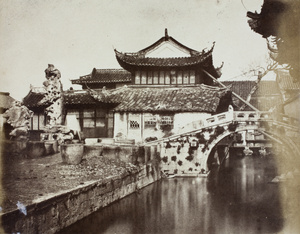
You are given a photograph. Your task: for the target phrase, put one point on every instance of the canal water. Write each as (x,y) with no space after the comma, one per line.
(236,198)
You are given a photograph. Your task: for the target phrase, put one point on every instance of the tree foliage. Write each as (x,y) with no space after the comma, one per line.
(278,22)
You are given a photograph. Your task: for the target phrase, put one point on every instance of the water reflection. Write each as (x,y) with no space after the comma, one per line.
(234,199)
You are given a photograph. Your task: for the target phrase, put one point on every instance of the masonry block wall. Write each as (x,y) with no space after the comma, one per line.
(64,209)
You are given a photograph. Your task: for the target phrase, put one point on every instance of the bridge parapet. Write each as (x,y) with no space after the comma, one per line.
(242,116)
(195,143)
(225,118)
(214,120)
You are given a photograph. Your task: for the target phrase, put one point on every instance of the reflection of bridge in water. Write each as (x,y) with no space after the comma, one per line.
(188,151)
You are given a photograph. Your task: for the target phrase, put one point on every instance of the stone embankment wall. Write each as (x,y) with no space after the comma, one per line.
(66,207)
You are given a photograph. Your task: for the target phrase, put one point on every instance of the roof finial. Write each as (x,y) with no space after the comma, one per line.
(166,33)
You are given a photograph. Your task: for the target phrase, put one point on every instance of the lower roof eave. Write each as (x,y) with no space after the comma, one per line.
(164,111)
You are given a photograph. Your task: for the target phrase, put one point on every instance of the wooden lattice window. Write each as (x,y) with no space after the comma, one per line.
(144,77)
(192,77)
(134,121)
(133,124)
(167,77)
(37,121)
(173,77)
(167,120)
(150,121)
(179,77)
(150,77)
(88,118)
(185,77)
(161,77)
(94,118)
(155,77)
(137,77)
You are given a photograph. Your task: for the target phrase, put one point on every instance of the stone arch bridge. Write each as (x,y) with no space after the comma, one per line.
(188,151)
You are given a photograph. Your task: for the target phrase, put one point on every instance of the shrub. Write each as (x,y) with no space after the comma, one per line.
(179,163)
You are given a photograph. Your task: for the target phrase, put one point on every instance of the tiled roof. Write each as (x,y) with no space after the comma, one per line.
(69,98)
(5,100)
(105,76)
(200,98)
(286,82)
(79,97)
(266,96)
(265,103)
(242,88)
(140,58)
(127,60)
(267,88)
(33,99)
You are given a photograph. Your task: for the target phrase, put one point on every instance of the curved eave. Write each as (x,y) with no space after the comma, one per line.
(34,100)
(131,61)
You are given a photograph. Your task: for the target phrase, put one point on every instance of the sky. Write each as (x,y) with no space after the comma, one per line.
(79,35)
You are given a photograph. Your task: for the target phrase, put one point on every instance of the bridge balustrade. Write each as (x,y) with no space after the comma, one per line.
(246,120)
(243,116)
(218,119)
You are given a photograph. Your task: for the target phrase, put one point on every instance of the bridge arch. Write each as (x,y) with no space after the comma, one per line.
(211,145)
(284,141)
(219,126)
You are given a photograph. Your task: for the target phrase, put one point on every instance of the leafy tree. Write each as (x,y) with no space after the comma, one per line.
(278,22)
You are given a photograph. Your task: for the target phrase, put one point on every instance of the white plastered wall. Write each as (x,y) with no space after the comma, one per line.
(183,122)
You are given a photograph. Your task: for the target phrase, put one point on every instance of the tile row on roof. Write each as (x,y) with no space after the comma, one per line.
(286,81)
(132,60)
(242,88)
(199,98)
(33,99)
(104,76)
(267,88)
(78,98)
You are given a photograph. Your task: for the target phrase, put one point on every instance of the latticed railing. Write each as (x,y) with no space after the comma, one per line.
(225,118)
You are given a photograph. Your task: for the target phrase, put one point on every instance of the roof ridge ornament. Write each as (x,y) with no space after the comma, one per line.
(166,34)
